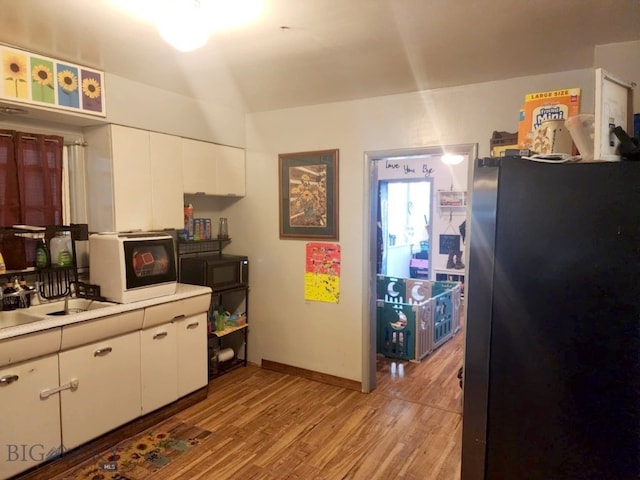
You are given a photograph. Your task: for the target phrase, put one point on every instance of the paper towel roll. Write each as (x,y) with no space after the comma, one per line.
(225,354)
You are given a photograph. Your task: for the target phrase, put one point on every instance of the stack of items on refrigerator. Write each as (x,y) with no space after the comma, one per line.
(414,317)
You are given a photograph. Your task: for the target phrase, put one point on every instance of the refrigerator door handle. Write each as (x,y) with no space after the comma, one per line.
(482,238)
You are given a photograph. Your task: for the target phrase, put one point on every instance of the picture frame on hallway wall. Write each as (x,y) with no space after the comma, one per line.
(308,195)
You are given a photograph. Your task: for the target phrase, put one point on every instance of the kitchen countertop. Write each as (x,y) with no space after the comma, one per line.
(8,329)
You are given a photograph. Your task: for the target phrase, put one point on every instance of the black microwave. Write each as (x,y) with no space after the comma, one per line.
(220,272)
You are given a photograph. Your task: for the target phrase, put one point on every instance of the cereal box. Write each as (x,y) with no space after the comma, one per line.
(188,221)
(542,106)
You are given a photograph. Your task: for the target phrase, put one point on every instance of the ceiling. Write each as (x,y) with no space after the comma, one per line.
(331,50)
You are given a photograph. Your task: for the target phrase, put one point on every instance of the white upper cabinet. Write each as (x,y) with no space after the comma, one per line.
(198,167)
(133,179)
(211,169)
(230,171)
(167,209)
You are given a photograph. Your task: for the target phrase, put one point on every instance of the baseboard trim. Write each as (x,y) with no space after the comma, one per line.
(312,375)
(78,455)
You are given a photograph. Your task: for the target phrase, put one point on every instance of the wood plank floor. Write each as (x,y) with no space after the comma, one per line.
(272,426)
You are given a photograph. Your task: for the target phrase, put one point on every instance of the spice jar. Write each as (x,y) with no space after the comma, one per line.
(223,228)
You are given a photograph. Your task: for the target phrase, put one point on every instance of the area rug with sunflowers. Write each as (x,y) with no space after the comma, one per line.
(142,456)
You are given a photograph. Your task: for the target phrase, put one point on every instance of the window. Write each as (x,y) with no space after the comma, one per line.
(404,224)
(409,210)
(30,189)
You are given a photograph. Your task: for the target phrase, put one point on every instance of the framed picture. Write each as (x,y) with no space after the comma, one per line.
(42,81)
(308,186)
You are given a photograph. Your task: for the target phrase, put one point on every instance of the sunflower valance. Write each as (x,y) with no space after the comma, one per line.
(39,80)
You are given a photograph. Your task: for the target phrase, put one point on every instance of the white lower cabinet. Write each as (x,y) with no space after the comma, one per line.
(158,352)
(189,317)
(108,391)
(30,427)
(192,353)
(61,388)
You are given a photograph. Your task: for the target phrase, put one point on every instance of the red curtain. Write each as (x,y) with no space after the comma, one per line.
(30,189)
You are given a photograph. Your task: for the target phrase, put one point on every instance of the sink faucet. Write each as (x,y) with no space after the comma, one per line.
(67,297)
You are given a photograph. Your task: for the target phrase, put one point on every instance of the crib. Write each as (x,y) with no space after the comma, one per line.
(414,317)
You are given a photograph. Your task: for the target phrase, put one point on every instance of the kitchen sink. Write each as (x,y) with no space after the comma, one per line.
(75,305)
(35,313)
(21,316)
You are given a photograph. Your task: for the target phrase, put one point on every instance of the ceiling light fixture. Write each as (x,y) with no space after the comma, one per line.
(450,159)
(183,25)
(187,24)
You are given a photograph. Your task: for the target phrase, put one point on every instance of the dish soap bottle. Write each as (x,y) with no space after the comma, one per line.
(42,254)
(60,251)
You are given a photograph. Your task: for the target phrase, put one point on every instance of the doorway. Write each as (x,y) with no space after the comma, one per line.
(406,166)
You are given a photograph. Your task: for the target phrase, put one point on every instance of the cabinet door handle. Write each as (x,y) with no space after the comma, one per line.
(8,379)
(72,385)
(178,317)
(102,351)
(193,325)
(157,336)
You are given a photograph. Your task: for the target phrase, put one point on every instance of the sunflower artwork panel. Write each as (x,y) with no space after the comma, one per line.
(91,88)
(42,81)
(67,82)
(14,74)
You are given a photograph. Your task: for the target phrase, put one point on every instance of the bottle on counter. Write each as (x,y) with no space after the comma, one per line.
(42,254)
(61,252)
(3,266)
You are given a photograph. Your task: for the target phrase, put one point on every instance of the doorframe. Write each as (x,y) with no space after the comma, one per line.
(370,241)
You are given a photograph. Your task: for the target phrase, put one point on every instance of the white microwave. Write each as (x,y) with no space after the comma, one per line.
(130,267)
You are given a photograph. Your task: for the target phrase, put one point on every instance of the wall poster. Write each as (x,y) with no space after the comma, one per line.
(308,189)
(42,81)
(322,272)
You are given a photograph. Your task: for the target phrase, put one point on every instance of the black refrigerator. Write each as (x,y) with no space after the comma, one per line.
(552,349)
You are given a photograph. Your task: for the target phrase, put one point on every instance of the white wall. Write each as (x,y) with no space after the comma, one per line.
(623,61)
(328,337)
(136,105)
